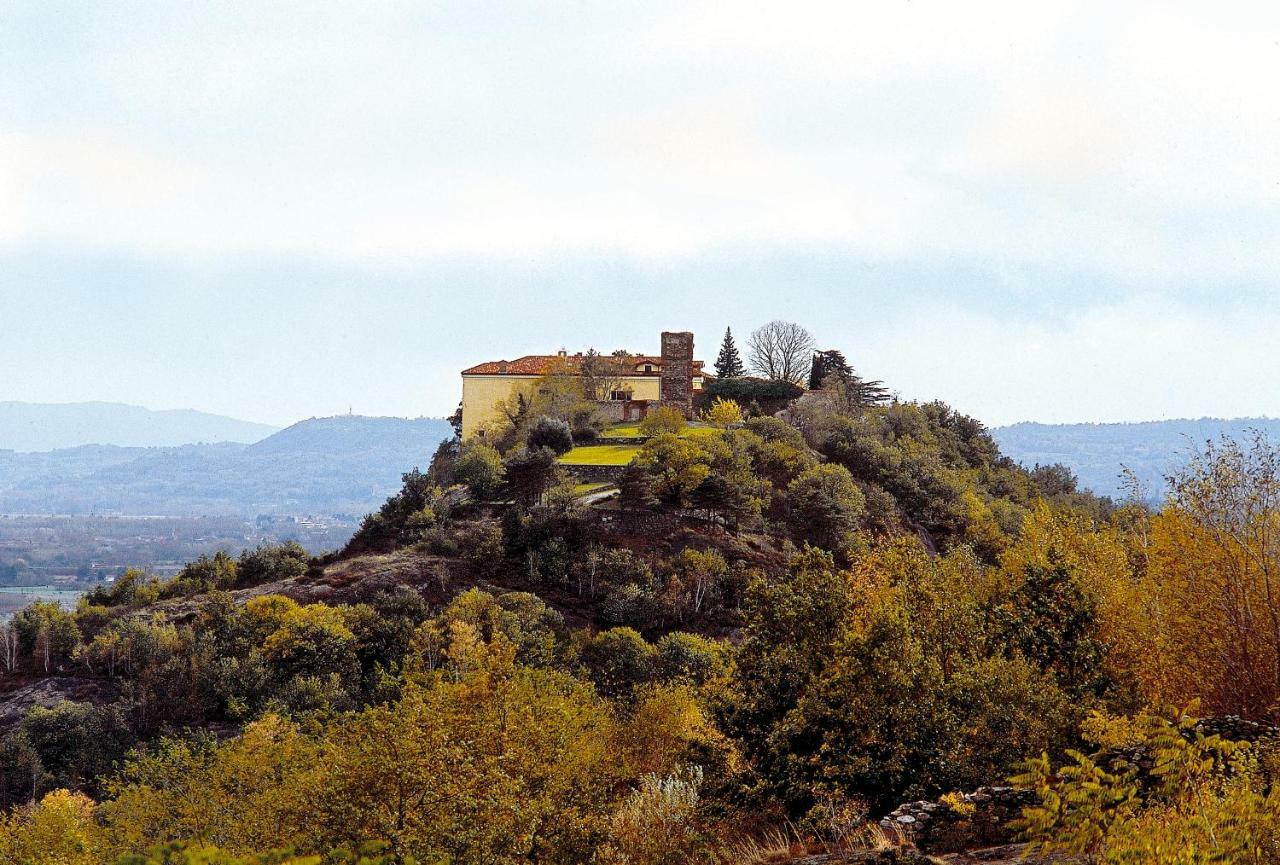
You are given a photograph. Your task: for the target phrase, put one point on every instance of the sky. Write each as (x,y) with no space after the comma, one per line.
(1034,211)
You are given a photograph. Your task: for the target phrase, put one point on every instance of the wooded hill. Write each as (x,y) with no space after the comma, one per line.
(771,637)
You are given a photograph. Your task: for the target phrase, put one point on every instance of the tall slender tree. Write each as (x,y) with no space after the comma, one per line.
(729,363)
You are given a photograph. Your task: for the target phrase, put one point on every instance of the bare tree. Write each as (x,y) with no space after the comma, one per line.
(781,350)
(602,374)
(9,645)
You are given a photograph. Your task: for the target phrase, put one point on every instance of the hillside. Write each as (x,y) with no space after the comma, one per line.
(323,465)
(51,426)
(785,639)
(1097,453)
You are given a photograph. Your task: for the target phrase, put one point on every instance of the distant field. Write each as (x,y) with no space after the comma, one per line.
(14,598)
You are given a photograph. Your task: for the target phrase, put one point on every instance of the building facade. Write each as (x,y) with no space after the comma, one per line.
(629,387)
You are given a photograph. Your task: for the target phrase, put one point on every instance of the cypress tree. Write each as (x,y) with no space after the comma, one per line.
(729,363)
(826,363)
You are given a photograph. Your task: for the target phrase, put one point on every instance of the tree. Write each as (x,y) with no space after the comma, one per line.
(824,506)
(638,488)
(60,829)
(729,363)
(663,419)
(718,496)
(602,374)
(268,564)
(679,465)
(781,350)
(529,473)
(47,633)
(553,433)
(479,466)
(827,363)
(9,645)
(1215,560)
(619,659)
(854,393)
(313,641)
(724,413)
(701,574)
(1053,623)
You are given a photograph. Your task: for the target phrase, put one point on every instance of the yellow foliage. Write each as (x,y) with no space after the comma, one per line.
(247,795)
(665,723)
(723,413)
(1099,557)
(59,830)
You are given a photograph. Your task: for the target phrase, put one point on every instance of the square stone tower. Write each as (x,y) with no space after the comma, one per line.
(675,384)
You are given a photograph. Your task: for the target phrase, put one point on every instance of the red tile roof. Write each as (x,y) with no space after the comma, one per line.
(541,364)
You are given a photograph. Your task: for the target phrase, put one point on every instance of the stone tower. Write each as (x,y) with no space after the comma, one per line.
(676,380)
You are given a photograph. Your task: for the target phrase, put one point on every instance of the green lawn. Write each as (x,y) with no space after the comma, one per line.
(632,430)
(600,455)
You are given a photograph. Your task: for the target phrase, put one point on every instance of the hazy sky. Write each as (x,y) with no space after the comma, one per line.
(276,210)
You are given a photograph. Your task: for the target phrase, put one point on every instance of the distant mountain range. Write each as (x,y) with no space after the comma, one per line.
(345,465)
(26,426)
(1097,453)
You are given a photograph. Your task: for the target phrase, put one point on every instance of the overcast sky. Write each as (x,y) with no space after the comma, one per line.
(275,210)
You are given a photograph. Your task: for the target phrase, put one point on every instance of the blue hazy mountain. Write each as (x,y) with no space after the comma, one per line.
(347,464)
(1098,452)
(26,426)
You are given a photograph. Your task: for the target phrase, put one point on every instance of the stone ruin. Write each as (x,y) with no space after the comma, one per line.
(963,821)
(967,821)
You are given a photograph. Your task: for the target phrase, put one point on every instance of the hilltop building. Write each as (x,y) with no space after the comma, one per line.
(630,385)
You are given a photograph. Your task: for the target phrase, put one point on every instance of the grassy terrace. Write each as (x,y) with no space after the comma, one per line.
(600,455)
(605,454)
(632,430)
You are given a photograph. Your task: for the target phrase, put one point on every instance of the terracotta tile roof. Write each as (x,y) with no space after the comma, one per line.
(541,364)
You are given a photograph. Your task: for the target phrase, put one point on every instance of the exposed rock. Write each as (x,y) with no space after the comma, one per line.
(49,693)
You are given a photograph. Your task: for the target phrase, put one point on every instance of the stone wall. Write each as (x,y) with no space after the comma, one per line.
(1238,729)
(613,409)
(967,821)
(641,522)
(595,474)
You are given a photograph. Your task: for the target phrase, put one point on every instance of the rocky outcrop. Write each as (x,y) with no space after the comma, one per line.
(48,693)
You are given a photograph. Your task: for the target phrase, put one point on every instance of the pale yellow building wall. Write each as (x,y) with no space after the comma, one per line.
(643,387)
(482,393)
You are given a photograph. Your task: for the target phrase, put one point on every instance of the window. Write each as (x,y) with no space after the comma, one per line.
(620,396)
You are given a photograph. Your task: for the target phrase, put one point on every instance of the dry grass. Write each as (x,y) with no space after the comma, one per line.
(779,847)
(774,848)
